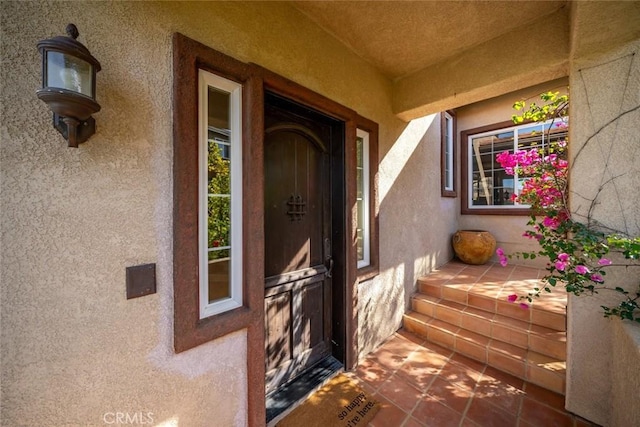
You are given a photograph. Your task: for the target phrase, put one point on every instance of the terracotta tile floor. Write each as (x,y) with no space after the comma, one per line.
(422,384)
(495,282)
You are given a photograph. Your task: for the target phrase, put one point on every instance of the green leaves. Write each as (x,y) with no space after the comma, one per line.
(219,201)
(630,246)
(627,309)
(555,106)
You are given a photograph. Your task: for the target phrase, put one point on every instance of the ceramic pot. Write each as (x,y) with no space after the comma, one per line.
(473,246)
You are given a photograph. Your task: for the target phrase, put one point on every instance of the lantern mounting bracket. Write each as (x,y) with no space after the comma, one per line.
(82,129)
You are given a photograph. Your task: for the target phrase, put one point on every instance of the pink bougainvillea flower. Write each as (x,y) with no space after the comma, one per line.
(524,305)
(503,258)
(505,159)
(552,223)
(581,269)
(560,266)
(512,298)
(597,278)
(564,257)
(604,261)
(532,235)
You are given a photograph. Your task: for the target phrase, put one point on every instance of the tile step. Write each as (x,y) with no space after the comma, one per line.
(462,294)
(541,369)
(519,333)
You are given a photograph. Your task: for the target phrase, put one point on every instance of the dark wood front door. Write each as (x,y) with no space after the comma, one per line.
(298,247)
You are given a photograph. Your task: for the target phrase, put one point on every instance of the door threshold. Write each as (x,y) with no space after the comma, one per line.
(282,401)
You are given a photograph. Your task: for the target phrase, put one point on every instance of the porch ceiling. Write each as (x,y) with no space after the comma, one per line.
(445,54)
(402,37)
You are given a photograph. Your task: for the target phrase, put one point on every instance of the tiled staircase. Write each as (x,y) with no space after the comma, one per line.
(465,308)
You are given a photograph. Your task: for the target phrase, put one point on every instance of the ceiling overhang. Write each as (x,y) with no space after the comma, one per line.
(444,54)
(524,57)
(440,55)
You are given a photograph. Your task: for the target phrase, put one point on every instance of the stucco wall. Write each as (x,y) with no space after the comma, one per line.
(625,409)
(506,229)
(416,225)
(73,348)
(605,154)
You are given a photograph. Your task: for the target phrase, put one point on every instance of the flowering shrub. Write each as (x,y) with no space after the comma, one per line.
(577,252)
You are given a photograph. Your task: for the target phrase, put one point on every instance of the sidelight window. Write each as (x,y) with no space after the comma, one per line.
(447,163)
(220,198)
(366,225)
(363,196)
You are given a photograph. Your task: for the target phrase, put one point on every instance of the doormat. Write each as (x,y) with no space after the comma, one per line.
(339,403)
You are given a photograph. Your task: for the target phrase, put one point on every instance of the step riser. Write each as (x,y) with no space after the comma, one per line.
(547,342)
(466,309)
(535,368)
(535,316)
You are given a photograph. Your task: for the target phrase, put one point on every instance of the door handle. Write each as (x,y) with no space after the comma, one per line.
(330,269)
(327,257)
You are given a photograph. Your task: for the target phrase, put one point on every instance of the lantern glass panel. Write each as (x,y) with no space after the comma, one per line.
(68,72)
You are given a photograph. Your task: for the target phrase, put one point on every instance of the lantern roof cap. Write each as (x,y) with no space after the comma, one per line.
(69,45)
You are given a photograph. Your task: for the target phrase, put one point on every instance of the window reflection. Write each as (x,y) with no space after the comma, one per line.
(218,194)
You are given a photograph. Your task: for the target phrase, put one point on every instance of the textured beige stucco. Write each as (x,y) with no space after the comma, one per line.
(506,63)
(605,158)
(600,25)
(73,347)
(403,37)
(416,225)
(625,376)
(506,229)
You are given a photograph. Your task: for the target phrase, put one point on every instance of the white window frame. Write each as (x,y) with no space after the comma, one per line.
(517,180)
(366,200)
(449,178)
(206,80)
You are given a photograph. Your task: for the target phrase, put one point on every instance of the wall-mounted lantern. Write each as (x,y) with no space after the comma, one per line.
(69,85)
